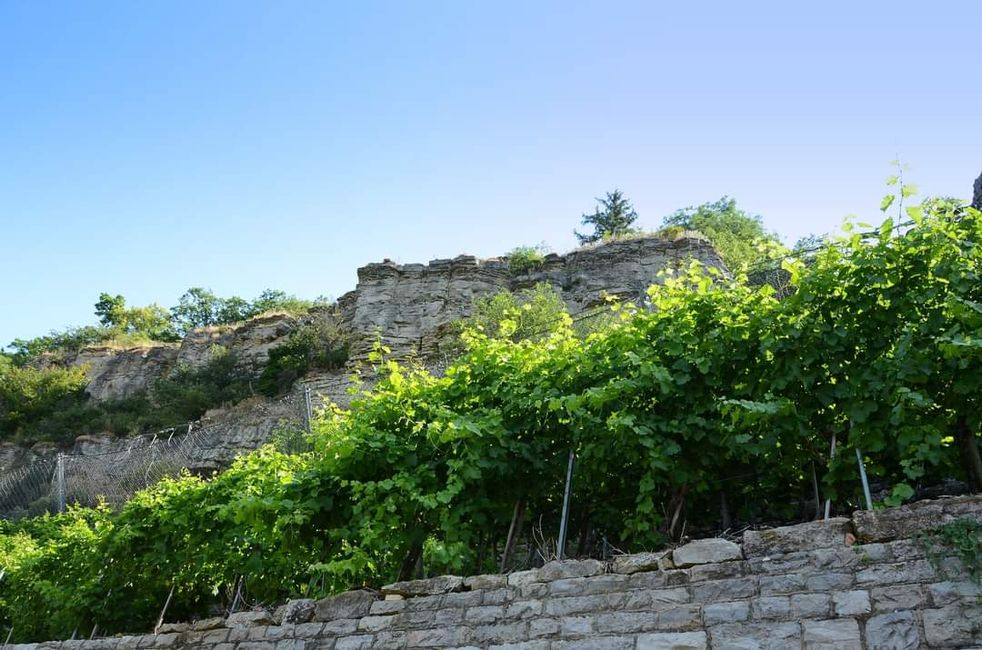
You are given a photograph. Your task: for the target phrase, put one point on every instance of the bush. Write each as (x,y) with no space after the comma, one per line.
(525,259)
(310,346)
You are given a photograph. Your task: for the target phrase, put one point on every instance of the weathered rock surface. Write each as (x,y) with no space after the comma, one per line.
(251,340)
(898,523)
(413,305)
(706,551)
(806,596)
(116,373)
(817,534)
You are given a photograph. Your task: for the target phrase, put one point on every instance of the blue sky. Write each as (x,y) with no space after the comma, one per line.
(146,147)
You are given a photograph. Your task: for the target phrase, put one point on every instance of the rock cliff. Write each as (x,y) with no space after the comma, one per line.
(412,305)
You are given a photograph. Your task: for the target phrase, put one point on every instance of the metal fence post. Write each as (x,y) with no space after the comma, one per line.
(308,412)
(60,474)
(561,545)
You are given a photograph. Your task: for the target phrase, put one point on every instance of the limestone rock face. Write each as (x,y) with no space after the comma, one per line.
(412,306)
(115,373)
(977,194)
(250,341)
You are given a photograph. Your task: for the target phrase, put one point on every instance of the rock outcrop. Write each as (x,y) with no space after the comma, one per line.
(116,373)
(411,306)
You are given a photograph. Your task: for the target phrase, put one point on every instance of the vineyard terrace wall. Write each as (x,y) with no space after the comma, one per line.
(864,582)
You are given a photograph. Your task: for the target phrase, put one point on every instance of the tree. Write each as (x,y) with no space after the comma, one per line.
(612,218)
(198,307)
(111,310)
(739,237)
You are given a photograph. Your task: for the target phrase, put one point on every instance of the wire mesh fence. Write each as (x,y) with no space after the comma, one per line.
(125,466)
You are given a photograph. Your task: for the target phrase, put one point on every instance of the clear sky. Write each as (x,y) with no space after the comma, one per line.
(147,147)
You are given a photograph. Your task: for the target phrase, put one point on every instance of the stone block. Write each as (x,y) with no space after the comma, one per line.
(426,587)
(760,636)
(499,633)
(340,627)
(485,582)
(575,605)
(500,596)
(539,627)
(484,614)
(839,634)
(308,630)
(384,607)
(654,599)
(898,523)
(717,571)
(171,628)
(731,612)
(522,578)
(356,642)
(625,622)
(851,603)
(597,643)
(673,641)
(169,640)
(376,623)
(829,581)
(706,551)
(733,589)
(351,604)
(949,592)
(559,569)
(439,638)
(463,599)
(523,609)
(771,607)
(953,625)
(297,611)
(523,645)
(423,603)
(683,617)
(212,623)
(258,618)
(781,584)
(896,572)
(811,605)
(573,626)
(801,537)
(390,640)
(898,597)
(638,562)
(894,631)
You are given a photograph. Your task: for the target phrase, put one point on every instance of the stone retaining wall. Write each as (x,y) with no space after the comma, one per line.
(863,582)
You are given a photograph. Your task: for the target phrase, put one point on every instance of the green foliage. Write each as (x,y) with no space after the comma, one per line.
(611,219)
(52,405)
(961,538)
(718,391)
(27,394)
(188,392)
(199,307)
(525,259)
(739,237)
(317,345)
(529,313)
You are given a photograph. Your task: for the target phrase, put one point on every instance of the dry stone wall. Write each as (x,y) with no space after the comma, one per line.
(859,583)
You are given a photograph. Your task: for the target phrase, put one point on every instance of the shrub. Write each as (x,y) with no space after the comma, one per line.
(525,259)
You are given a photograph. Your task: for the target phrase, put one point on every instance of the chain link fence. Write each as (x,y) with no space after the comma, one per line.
(128,465)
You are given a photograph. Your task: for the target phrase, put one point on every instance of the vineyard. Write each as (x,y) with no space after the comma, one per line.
(712,405)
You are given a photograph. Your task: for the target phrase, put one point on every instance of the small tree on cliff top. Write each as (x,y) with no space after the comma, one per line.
(612,218)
